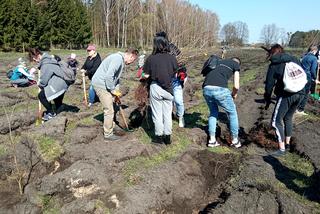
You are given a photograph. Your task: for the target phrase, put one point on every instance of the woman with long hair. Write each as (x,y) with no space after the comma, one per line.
(160,67)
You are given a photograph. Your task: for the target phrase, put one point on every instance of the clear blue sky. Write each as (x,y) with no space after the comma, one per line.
(292,15)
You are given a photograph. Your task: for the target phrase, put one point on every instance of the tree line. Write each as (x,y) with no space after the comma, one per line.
(119,23)
(122,23)
(272,34)
(108,23)
(43,23)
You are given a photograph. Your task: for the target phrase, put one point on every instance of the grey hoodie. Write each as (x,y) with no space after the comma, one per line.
(109,72)
(51,77)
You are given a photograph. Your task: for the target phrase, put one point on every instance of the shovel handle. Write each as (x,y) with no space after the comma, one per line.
(84,90)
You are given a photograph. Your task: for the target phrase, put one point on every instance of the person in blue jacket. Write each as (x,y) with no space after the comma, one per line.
(309,64)
(21,77)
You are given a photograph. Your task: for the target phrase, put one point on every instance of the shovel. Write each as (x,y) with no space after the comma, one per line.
(39,116)
(127,129)
(84,90)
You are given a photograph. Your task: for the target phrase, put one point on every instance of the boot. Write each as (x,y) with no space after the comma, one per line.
(158,139)
(167,139)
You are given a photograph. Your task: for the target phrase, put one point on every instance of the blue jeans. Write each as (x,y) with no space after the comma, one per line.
(92,94)
(219,96)
(178,97)
(304,101)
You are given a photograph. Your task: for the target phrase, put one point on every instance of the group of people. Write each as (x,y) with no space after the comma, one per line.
(166,87)
(288,102)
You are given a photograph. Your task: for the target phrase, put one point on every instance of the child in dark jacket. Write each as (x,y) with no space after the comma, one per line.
(72,62)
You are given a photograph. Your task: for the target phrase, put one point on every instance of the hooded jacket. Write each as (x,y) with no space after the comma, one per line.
(310,65)
(51,77)
(275,75)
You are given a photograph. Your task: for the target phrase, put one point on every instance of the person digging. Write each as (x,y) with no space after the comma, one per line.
(106,81)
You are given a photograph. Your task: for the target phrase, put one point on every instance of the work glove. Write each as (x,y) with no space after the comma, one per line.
(267,100)
(116,93)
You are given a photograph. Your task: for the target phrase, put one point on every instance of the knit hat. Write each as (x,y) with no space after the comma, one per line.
(91,47)
(72,56)
(21,61)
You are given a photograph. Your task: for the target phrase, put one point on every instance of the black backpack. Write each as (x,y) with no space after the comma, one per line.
(210,64)
(9,73)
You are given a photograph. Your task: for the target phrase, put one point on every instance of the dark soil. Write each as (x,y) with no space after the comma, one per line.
(65,166)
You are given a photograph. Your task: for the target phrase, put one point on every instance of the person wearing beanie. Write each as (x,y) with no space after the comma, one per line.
(73,62)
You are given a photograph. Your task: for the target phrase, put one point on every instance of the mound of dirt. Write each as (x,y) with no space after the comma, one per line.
(260,193)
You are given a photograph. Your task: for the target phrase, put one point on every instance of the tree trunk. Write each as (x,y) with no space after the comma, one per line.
(141,27)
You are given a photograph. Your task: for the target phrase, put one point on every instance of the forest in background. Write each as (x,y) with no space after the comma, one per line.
(72,24)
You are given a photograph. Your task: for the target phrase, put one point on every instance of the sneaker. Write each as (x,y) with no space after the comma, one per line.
(111,137)
(301,113)
(213,144)
(89,105)
(278,153)
(48,116)
(181,122)
(236,143)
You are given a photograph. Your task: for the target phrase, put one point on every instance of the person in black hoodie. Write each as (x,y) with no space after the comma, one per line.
(287,102)
(89,67)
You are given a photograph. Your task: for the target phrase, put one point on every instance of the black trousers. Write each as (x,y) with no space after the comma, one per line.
(43,99)
(283,113)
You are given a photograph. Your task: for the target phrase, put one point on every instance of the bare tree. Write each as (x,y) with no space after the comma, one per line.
(242,32)
(284,37)
(235,33)
(108,5)
(270,34)
(122,22)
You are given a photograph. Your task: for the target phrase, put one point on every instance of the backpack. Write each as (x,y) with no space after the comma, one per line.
(69,75)
(294,77)
(210,64)
(9,73)
(182,72)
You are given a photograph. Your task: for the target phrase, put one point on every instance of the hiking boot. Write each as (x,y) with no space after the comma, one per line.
(213,144)
(48,116)
(236,143)
(278,153)
(112,137)
(158,139)
(167,139)
(181,122)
